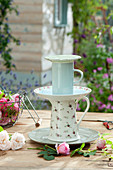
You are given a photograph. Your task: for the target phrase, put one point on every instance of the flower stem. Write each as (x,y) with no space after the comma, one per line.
(50,147)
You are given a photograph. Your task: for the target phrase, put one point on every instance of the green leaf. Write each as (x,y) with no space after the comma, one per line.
(48,157)
(52,152)
(86,154)
(1,129)
(46,146)
(108,142)
(80,153)
(10,137)
(112,146)
(89,153)
(104,134)
(82,146)
(74,151)
(93,152)
(78,149)
(111,30)
(43,152)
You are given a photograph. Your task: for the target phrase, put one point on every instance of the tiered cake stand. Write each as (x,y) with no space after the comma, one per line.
(64,126)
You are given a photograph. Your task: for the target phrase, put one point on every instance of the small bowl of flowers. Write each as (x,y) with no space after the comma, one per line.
(10,108)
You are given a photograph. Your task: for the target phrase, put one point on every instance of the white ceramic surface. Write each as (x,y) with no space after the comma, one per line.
(62,58)
(63,77)
(64,125)
(46,92)
(41,136)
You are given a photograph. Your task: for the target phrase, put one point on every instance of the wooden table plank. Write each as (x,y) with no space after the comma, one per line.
(92,116)
(28,159)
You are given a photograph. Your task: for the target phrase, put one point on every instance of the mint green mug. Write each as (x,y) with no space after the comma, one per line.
(63,77)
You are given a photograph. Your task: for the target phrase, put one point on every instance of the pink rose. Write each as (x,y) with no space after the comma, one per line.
(15,97)
(16,107)
(63,148)
(3,103)
(4,120)
(101,144)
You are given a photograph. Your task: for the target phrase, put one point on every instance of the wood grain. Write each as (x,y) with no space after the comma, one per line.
(28,159)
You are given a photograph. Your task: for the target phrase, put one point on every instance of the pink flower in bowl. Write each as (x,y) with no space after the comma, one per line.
(2,102)
(15,97)
(10,110)
(63,148)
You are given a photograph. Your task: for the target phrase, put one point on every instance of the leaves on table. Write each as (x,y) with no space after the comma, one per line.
(48,157)
(80,151)
(48,153)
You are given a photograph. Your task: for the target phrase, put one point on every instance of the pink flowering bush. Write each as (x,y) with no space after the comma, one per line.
(99,76)
(96,49)
(9,109)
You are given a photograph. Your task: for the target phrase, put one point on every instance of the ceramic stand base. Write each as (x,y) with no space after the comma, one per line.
(41,136)
(64,125)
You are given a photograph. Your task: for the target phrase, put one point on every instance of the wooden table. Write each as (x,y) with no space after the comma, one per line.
(28,159)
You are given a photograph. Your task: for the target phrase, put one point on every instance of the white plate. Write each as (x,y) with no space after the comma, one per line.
(41,136)
(78,92)
(63,58)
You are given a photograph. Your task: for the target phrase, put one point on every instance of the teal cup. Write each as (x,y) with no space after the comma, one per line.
(63,78)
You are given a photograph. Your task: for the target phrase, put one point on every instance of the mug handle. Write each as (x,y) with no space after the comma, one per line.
(88,104)
(81,73)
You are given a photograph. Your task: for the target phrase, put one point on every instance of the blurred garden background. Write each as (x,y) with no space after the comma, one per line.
(33,29)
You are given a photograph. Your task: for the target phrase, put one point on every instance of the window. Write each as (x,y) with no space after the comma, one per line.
(60,13)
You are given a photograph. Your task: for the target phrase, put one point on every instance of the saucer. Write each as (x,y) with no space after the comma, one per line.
(78,93)
(41,136)
(62,58)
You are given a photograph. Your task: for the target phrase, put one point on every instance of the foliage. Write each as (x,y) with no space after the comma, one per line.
(107,151)
(1,129)
(92,39)
(80,151)
(11,82)
(82,23)
(9,108)
(47,152)
(6,36)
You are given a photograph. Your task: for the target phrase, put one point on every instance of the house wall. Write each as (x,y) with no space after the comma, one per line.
(34,27)
(55,40)
(27,26)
